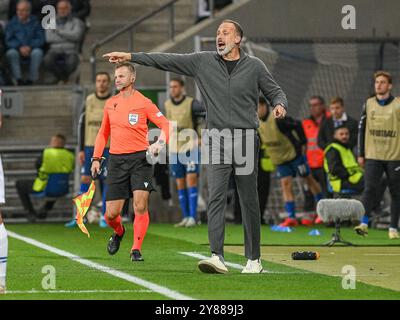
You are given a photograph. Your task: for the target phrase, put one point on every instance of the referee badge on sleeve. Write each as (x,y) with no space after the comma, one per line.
(133,118)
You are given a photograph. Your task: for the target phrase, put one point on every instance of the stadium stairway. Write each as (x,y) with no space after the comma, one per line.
(108,16)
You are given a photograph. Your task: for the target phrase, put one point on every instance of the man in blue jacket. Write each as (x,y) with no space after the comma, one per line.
(24,42)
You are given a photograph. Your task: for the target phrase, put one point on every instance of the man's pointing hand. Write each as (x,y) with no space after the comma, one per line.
(118,57)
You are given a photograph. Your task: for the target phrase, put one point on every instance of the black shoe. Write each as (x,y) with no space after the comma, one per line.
(114,242)
(136,255)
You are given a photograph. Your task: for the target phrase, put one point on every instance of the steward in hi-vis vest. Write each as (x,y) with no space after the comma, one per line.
(54,160)
(341,166)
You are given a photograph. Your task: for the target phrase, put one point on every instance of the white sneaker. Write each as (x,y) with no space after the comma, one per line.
(182,223)
(215,264)
(191,222)
(253,266)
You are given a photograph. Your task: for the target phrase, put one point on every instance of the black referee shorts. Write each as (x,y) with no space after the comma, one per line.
(127,173)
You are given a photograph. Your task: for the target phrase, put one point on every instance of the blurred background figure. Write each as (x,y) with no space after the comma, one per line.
(89,125)
(62,58)
(184,155)
(55,159)
(340,164)
(24,41)
(285,141)
(314,154)
(338,118)
(378,150)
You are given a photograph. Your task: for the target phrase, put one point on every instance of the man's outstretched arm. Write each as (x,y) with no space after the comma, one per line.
(184,64)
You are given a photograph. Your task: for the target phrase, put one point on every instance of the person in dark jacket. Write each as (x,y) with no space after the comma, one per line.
(3,63)
(24,41)
(341,165)
(338,118)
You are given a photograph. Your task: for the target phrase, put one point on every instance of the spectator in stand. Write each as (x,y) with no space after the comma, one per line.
(203,10)
(315,155)
(80,9)
(24,42)
(36,7)
(62,57)
(338,118)
(4,7)
(3,62)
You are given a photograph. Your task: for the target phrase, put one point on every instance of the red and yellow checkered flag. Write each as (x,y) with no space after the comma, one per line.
(82,203)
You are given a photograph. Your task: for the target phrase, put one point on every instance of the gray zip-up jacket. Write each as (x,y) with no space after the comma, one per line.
(230,100)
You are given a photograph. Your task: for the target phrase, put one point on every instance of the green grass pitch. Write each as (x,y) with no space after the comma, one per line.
(375,256)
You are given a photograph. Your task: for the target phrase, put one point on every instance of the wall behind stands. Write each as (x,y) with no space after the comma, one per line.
(291,19)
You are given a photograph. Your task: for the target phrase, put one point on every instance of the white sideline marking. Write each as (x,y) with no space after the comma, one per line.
(119,274)
(75,291)
(235,265)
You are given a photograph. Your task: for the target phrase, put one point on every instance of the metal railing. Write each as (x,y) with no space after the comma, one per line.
(130,28)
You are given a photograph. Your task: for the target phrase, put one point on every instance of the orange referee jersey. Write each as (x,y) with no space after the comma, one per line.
(125,119)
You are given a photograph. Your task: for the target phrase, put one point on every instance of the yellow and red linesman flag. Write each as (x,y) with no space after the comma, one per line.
(82,203)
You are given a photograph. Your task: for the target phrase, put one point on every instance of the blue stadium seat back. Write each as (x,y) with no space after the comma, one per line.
(57,186)
(343,191)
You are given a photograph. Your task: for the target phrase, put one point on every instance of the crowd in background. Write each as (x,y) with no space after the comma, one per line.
(45,55)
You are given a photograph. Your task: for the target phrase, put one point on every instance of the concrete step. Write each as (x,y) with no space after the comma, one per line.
(47,110)
(147,36)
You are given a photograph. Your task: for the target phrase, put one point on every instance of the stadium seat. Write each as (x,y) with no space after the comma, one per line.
(344,193)
(57,186)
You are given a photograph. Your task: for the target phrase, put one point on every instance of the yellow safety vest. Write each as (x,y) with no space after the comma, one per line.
(350,164)
(55,160)
(280,149)
(382,132)
(94,110)
(182,115)
(265,161)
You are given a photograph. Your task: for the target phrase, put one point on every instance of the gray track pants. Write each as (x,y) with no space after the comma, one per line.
(218,179)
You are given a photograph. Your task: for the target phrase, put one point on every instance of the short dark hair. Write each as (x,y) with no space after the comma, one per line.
(238,27)
(337,100)
(61,137)
(342,126)
(103,73)
(179,80)
(321,99)
(385,74)
(128,65)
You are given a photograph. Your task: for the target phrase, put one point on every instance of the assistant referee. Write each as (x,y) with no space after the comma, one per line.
(125,119)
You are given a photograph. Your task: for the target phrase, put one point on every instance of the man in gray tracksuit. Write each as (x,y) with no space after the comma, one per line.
(230,82)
